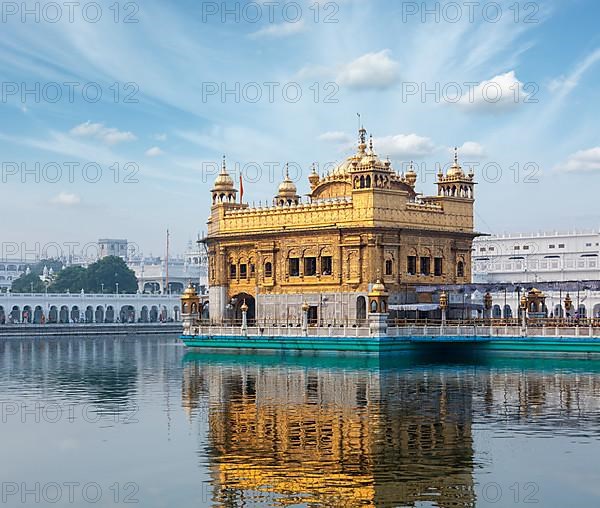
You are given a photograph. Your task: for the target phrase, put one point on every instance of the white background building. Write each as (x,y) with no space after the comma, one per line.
(538,257)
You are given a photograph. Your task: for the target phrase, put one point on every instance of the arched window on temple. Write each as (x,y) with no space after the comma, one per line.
(389,267)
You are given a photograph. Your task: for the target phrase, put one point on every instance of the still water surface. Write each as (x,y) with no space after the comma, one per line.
(115,422)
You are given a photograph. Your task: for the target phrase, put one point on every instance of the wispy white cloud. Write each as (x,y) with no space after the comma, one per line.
(372,70)
(470,149)
(563,85)
(72,148)
(109,135)
(277,30)
(155,151)
(66,199)
(583,161)
(235,141)
(501,93)
(405,146)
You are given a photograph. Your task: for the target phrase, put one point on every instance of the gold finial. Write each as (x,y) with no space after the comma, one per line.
(455,155)
(223,165)
(362,139)
(371,143)
(313,178)
(287,171)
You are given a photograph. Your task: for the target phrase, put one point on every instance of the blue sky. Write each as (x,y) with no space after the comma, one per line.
(516,89)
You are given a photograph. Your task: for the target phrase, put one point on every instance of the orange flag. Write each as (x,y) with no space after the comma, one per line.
(241,187)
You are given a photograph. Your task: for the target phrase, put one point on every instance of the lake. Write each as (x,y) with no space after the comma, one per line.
(117,421)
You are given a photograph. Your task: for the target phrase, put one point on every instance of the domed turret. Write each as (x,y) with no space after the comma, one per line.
(223,180)
(223,190)
(411,175)
(455,183)
(455,170)
(287,193)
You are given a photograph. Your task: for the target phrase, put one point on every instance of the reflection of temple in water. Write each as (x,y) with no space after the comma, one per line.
(334,437)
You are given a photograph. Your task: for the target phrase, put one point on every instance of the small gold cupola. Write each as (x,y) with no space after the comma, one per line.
(378,298)
(455,170)
(411,175)
(287,193)
(223,190)
(455,184)
(313,178)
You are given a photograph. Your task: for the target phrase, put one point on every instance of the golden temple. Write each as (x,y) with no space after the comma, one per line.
(362,222)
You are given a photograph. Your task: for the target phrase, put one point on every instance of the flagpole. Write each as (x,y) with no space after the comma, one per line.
(167,264)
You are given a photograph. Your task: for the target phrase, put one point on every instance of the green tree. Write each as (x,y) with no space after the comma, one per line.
(73,279)
(24,284)
(110,271)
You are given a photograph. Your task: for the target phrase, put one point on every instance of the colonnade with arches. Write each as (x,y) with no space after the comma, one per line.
(63,309)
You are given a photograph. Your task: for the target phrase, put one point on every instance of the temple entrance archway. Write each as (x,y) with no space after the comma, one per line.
(234,310)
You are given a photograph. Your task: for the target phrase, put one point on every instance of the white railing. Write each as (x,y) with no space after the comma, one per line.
(283,331)
(415,332)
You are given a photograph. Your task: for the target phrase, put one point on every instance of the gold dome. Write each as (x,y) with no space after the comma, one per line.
(287,187)
(189,293)
(378,289)
(455,170)
(411,175)
(535,292)
(223,180)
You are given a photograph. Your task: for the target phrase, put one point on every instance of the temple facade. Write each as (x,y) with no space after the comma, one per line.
(363,222)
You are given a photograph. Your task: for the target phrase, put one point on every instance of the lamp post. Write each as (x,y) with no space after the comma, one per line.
(102,287)
(305,308)
(524,312)
(117,288)
(577,309)
(568,305)
(487,305)
(228,308)
(244,309)
(443,306)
